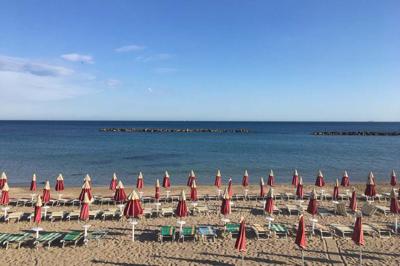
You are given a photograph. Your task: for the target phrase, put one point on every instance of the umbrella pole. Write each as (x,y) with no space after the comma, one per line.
(242,258)
(395,224)
(302,256)
(360,255)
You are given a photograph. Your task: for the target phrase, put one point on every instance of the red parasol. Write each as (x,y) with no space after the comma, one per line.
(86,189)
(245,179)
(240,243)
(226,203)
(358,235)
(370,188)
(181,209)
(191,177)
(313,204)
(320,179)
(193,191)
(5,198)
(393,179)
(295,178)
(262,192)
(157,190)
(271,179)
(335,195)
(166,181)
(37,218)
(59,183)
(230,189)
(113,183)
(140,182)
(46,192)
(301,240)
(299,189)
(269,205)
(345,180)
(84,214)
(394,205)
(353,200)
(120,192)
(33,183)
(218,179)
(3,180)
(133,207)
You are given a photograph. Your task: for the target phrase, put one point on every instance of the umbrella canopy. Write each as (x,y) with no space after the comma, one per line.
(46,193)
(133,207)
(157,190)
(3,179)
(86,189)
(120,192)
(37,218)
(5,198)
(87,178)
(245,179)
(240,243)
(33,183)
(299,189)
(193,191)
(59,183)
(353,200)
(370,188)
(295,178)
(218,179)
(166,180)
(345,180)
(393,179)
(335,195)
(226,203)
(271,178)
(230,189)
(262,192)
(394,205)
(301,239)
(140,182)
(320,179)
(84,213)
(191,177)
(181,209)
(312,204)
(269,205)
(113,183)
(358,234)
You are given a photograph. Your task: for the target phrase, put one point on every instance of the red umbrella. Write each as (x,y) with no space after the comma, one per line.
(193,191)
(358,235)
(166,181)
(230,190)
(295,178)
(313,204)
(394,206)
(226,203)
(269,206)
(345,180)
(262,192)
(120,192)
(33,183)
(46,192)
(245,179)
(157,190)
(299,190)
(393,179)
(181,209)
(320,179)
(37,218)
(191,177)
(84,214)
(3,180)
(133,207)
(301,239)
(353,201)
(240,243)
(335,195)
(218,179)
(271,179)
(87,178)
(86,189)
(5,198)
(370,188)
(140,182)
(59,183)
(113,183)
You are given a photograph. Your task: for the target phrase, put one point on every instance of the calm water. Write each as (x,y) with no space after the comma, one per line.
(76,148)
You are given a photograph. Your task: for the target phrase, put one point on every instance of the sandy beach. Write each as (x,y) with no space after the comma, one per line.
(117,247)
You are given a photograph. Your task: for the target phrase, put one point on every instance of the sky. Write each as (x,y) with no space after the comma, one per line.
(282,60)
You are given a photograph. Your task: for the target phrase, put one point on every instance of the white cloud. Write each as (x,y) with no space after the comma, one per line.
(155,57)
(78,58)
(130,48)
(165,70)
(113,83)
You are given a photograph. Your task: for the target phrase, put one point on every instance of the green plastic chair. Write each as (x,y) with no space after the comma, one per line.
(167,231)
(71,237)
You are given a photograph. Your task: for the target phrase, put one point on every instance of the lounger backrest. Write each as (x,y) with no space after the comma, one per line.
(341,209)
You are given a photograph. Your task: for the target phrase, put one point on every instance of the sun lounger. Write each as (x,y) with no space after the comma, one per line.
(202,210)
(17,238)
(385,210)
(206,231)
(167,211)
(343,196)
(93,214)
(57,216)
(47,239)
(344,230)
(147,212)
(383,230)
(369,230)
(232,229)
(323,212)
(287,195)
(72,237)
(166,231)
(341,209)
(97,235)
(279,230)
(188,232)
(368,209)
(260,230)
(110,213)
(13,216)
(293,209)
(323,231)
(73,215)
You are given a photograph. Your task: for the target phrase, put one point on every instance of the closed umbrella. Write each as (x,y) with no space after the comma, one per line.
(295,178)
(5,198)
(301,239)
(226,203)
(87,178)
(299,189)
(358,235)
(157,190)
(393,179)
(262,192)
(166,181)
(182,210)
(313,204)
(84,213)
(140,182)
(271,179)
(269,205)
(240,243)
(59,183)
(133,207)
(120,192)
(394,206)
(191,177)
(353,200)
(46,192)
(37,217)
(319,182)
(3,179)
(345,180)
(230,189)
(335,194)
(33,183)
(193,191)
(245,179)
(113,183)
(370,187)
(86,189)
(218,180)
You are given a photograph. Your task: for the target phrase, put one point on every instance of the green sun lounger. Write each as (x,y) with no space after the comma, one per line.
(18,239)
(188,232)
(47,239)
(279,230)
(166,232)
(232,229)
(72,237)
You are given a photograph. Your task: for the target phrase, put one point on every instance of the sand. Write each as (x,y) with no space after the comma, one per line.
(118,249)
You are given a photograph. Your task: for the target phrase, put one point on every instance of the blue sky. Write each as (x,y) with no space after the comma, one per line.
(200,60)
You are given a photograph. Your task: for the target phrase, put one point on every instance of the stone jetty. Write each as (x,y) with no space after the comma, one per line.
(174,130)
(355,133)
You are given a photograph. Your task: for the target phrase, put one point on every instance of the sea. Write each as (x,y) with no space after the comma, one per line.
(77,148)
